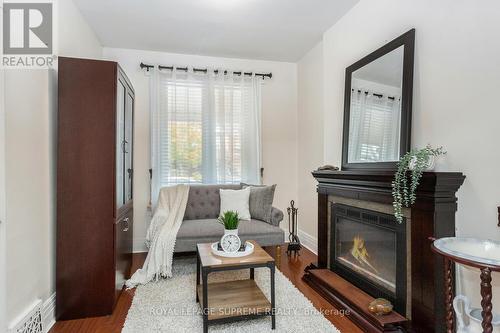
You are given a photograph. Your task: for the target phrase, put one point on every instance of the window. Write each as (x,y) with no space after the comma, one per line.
(205,129)
(181,132)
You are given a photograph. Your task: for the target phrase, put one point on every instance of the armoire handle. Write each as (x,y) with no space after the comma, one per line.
(127,225)
(124,147)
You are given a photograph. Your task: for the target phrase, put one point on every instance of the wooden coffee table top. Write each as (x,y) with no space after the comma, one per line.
(208,259)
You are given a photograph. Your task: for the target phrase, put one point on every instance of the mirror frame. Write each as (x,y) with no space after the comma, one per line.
(407,40)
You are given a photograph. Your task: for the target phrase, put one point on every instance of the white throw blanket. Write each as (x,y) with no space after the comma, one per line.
(161,235)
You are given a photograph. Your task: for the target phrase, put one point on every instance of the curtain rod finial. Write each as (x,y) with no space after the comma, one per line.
(143,65)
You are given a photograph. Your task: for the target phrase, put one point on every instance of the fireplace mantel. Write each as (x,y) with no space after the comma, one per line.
(377,185)
(432,215)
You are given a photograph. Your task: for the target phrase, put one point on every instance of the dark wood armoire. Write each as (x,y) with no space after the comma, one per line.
(94,186)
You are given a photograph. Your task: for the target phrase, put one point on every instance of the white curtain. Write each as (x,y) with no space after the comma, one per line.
(205,128)
(374,127)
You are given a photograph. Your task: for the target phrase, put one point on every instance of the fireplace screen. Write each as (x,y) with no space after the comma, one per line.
(368,250)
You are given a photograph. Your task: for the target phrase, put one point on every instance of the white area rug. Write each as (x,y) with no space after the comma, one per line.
(170,305)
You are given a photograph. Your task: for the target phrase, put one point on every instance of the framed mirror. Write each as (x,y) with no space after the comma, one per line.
(377,107)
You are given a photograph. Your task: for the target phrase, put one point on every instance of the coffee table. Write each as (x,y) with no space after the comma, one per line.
(233,300)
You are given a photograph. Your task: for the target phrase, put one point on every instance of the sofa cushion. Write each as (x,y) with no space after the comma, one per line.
(235,201)
(204,201)
(261,201)
(193,232)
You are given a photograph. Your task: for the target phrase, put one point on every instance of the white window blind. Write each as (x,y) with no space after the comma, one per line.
(205,129)
(375,126)
(181,131)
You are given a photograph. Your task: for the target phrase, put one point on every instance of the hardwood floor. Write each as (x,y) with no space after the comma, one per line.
(292,268)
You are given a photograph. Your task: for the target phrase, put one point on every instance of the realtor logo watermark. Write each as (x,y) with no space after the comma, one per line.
(28,32)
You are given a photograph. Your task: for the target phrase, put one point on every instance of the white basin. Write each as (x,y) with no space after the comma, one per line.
(483,251)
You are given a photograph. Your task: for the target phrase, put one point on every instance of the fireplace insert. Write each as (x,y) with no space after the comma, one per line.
(368,249)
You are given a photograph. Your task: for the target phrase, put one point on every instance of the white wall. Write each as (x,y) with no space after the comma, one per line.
(3,240)
(30,107)
(75,38)
(279,122)
(28,186)
(310,141)
(457,76)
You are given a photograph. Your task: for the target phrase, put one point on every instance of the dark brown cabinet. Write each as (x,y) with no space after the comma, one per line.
(94,186)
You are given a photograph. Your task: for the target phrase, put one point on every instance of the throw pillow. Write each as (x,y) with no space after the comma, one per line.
(261,201)
(235,200)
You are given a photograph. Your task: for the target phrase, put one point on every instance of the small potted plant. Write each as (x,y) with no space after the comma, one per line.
(230,220)
(230,242)
(403,187)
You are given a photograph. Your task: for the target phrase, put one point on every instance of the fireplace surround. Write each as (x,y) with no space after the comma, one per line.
(432,216)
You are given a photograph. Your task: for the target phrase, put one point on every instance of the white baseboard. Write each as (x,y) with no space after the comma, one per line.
(49,312)
(140,245)
(308,241)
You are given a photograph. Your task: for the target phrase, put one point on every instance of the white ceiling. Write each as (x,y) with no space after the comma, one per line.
(282,30)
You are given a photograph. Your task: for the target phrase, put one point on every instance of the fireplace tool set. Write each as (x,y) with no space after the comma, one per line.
(294,242)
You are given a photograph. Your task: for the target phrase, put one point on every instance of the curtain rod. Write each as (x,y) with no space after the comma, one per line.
(374,94)
(204,70)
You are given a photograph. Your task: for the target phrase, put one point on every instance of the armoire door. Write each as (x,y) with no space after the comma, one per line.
(120,137)
(129,145)
(123,225)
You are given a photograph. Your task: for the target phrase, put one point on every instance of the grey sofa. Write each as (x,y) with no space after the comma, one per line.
(200,223)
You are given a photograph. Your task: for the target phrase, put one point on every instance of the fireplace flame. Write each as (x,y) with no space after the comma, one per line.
(360,253)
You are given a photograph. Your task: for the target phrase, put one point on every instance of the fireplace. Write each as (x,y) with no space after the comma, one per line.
(368,248)
(355,207)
